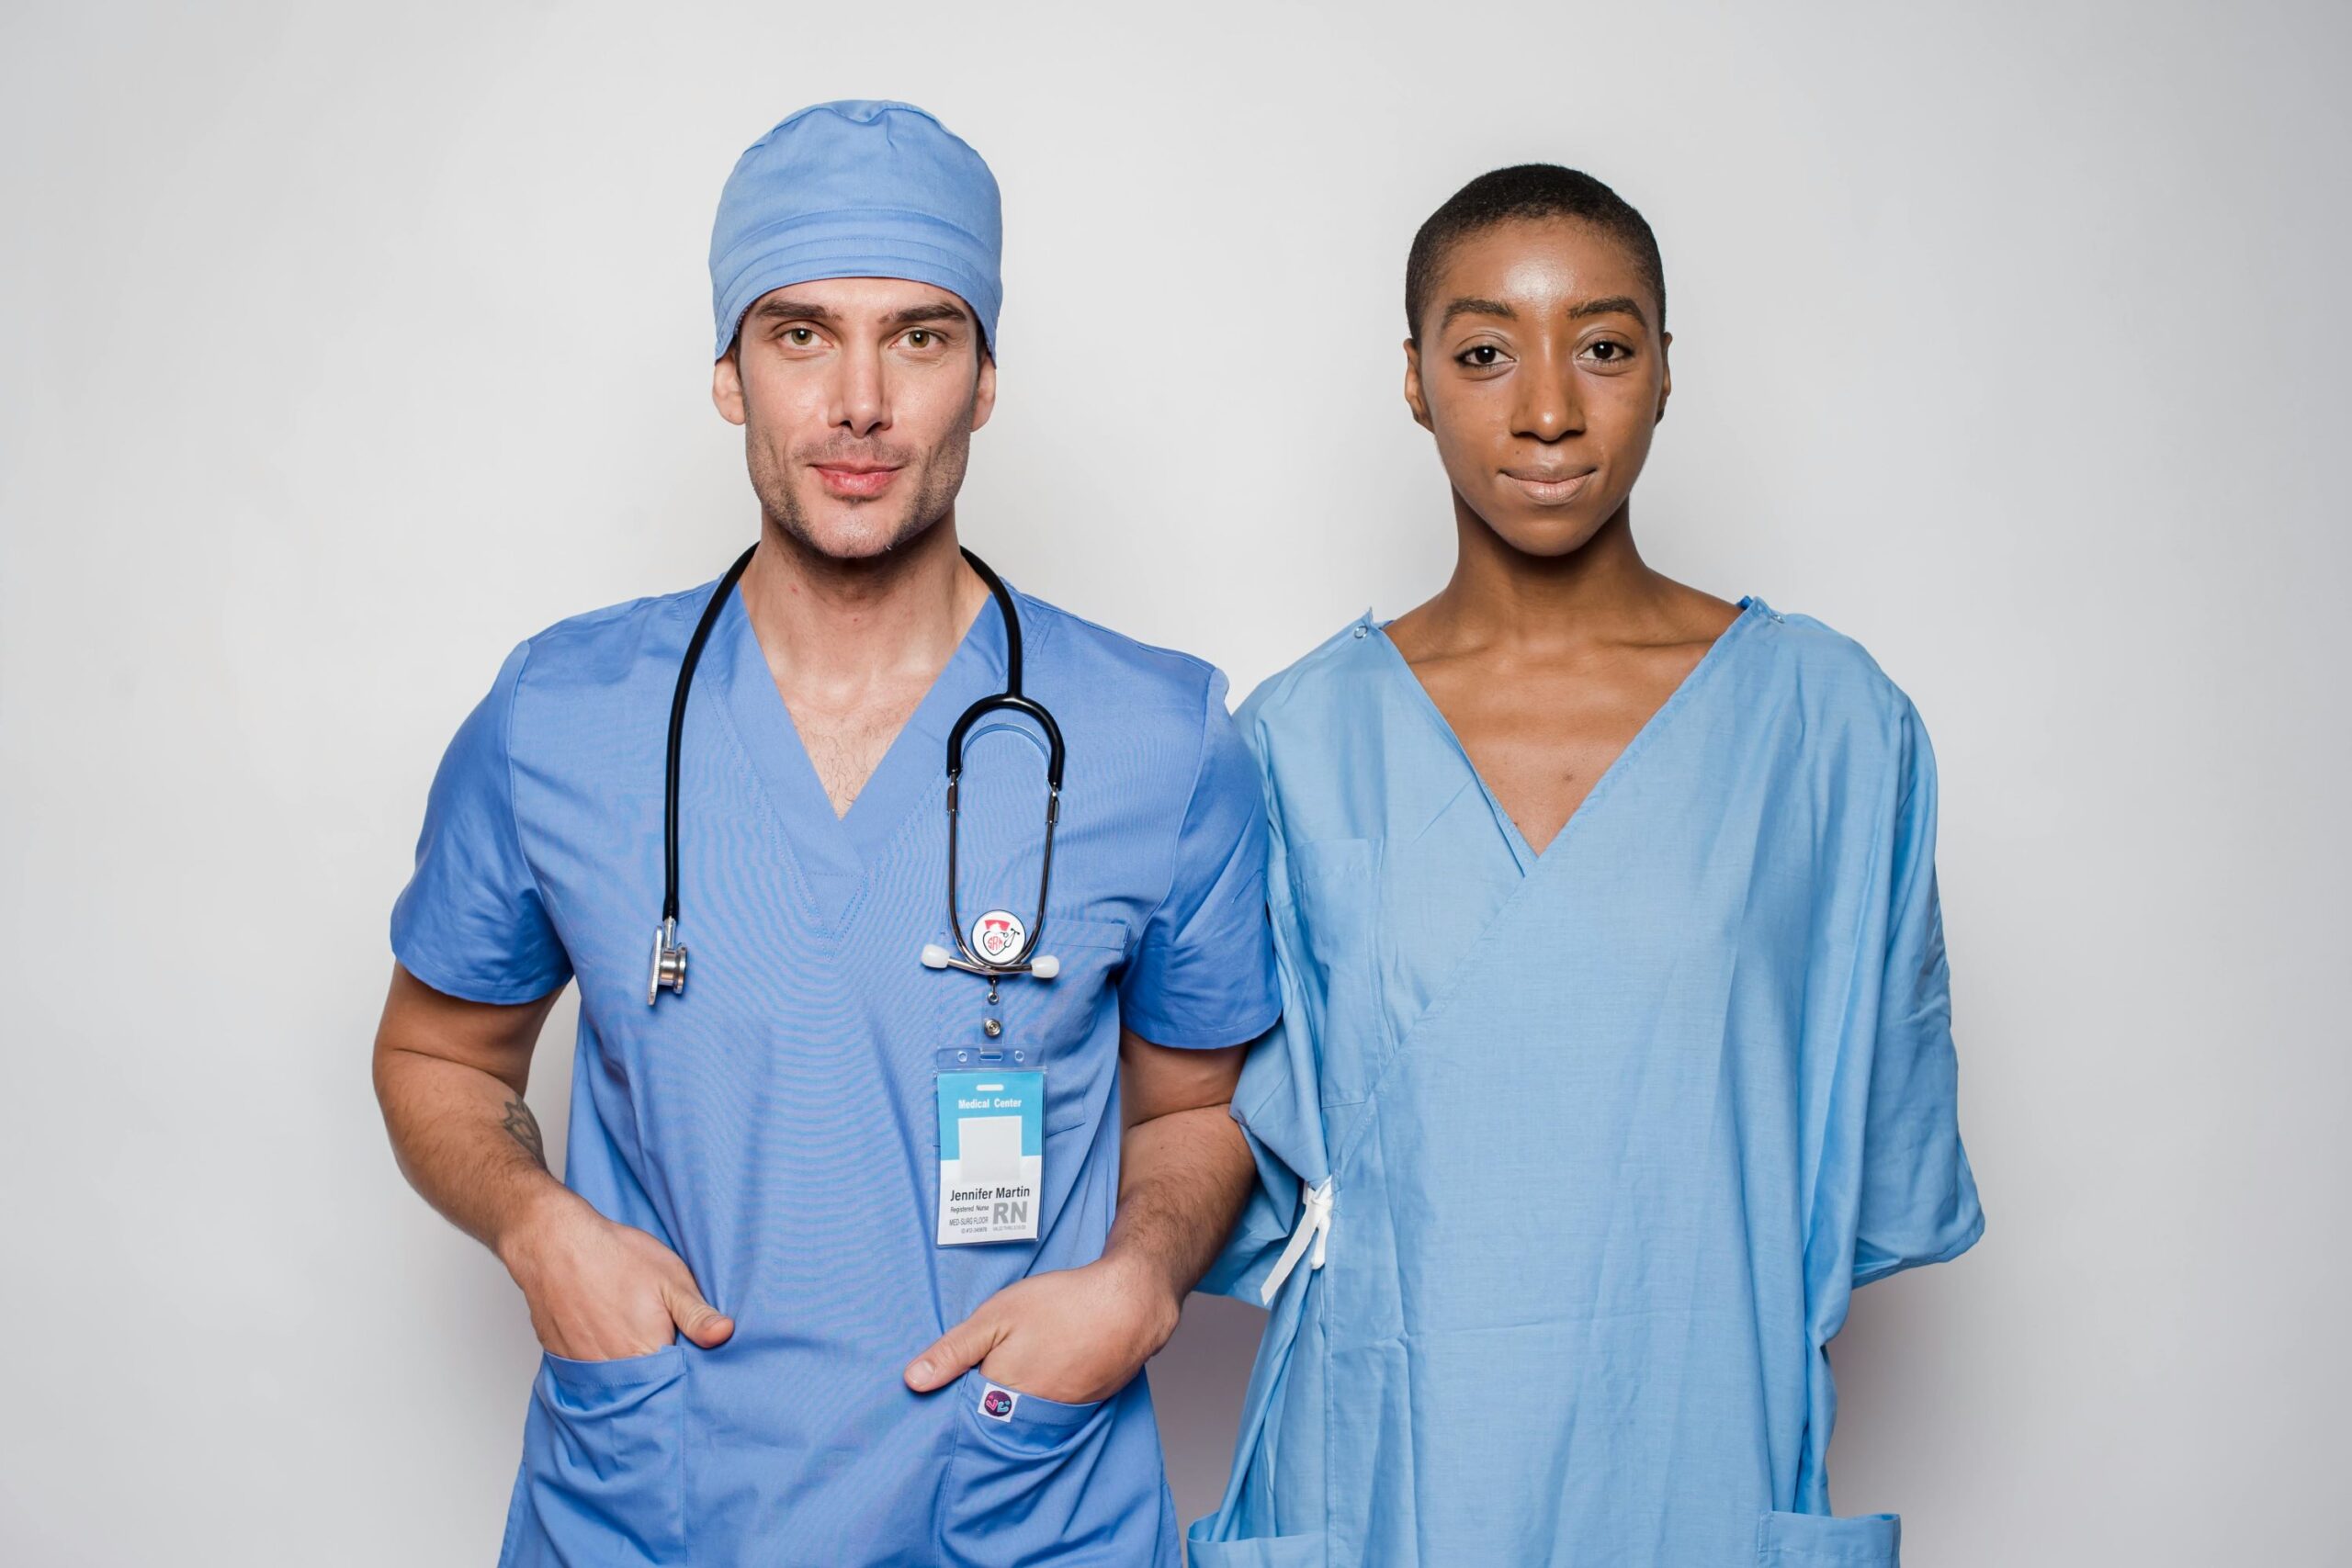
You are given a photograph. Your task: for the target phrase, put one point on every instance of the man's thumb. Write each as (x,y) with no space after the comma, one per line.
(955,1352)
(698,1320)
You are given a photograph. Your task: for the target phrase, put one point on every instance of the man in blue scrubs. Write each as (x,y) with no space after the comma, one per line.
(771,1336)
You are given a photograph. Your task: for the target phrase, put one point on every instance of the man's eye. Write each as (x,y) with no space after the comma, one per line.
(919,338)
(799,337)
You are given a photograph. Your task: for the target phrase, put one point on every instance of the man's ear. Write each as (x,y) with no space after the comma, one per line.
(726,387)
(1664,375)
(984,391)
(1414,400)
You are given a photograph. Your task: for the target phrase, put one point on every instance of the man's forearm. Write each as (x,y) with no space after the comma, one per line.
(1182,1180)
(466,1143)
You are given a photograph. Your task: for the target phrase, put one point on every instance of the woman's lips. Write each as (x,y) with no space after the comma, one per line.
(862,484)
(1543,490)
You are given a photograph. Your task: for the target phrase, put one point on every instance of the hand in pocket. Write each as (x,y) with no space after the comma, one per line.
(602,1291)
(1074,1336)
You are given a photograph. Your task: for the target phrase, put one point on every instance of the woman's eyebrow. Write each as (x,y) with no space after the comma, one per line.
(1607,305)
(1469,305)
(1612,304)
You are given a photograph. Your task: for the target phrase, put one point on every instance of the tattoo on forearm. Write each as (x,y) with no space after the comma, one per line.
(524,1128)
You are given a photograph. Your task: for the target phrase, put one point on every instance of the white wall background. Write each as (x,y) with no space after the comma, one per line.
(340,348)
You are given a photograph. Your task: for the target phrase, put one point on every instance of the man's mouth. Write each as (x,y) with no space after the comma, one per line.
(861,482)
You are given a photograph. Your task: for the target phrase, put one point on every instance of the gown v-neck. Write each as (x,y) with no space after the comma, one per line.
(1525,856)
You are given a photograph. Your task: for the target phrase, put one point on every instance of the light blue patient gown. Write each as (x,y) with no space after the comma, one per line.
(1610,1134)
(777,1124)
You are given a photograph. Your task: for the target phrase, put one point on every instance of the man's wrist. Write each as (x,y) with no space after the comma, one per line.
(545,1202)
(1147,1278)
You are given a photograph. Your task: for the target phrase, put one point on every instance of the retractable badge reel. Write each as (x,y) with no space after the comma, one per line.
(991,1108)
(992,1094)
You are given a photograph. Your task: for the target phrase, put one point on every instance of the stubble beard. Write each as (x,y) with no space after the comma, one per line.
(942,476)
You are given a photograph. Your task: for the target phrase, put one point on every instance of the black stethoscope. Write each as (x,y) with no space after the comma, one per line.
(669,954)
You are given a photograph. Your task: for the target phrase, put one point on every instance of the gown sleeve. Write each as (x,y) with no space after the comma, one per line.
(1918,1198)
(1203,975)
(471,923)
(1278,1100)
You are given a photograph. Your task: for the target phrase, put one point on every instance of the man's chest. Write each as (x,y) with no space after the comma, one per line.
(846,743)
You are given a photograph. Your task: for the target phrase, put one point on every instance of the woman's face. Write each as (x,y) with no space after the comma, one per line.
(1541,371)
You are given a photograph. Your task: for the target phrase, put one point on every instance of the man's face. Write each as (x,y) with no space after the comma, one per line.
(858,396)
(1542,373)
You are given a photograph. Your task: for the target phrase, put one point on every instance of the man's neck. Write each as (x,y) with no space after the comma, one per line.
(834,631)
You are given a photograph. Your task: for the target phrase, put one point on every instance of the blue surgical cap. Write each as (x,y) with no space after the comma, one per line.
(858,188)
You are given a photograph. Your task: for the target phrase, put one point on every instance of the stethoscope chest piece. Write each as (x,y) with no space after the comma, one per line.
(668,962)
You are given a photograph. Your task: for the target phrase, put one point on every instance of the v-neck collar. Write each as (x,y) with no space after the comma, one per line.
(1525,856)
(836,853)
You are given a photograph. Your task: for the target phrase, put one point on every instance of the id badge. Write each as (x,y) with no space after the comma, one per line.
(991,1145)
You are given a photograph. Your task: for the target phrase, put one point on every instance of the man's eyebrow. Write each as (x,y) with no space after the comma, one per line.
(939,310)
(791,309)
(1471,306)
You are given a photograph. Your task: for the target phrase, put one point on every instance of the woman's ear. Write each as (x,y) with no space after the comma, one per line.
(1414,399)
(1664,376)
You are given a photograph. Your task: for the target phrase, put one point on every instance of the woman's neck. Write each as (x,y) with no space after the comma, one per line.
(1500,598)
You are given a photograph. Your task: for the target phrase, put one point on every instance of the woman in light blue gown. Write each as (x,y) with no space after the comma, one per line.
(1616,1045)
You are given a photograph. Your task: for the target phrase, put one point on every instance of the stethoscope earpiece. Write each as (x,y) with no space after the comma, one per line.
(1027,960)
(1045,966)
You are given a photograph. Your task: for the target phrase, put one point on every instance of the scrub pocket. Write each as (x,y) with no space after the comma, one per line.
(1017,1488)
(1265,1552)
(604,1469)
(1335,894)
(1053,1022)
(1058,1016)
(1819,1540)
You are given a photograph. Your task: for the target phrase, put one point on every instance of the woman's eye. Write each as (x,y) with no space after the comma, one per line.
(1481,355)
(1609,353)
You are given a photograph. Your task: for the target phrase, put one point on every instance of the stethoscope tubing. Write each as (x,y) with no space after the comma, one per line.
(670,956)
(710,613)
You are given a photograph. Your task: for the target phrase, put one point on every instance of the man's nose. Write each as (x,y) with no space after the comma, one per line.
(863,394)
